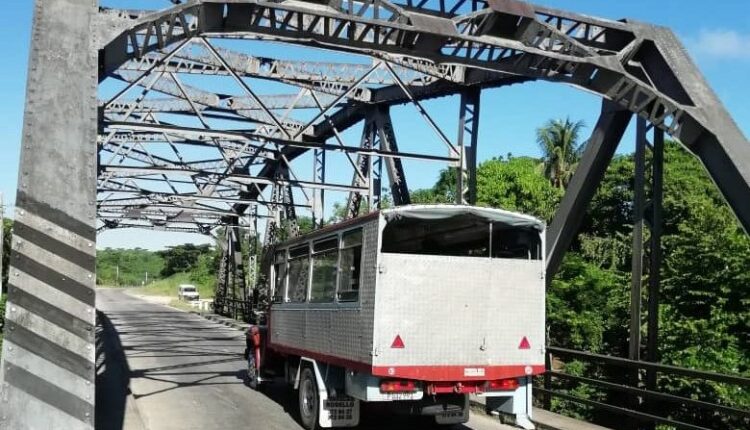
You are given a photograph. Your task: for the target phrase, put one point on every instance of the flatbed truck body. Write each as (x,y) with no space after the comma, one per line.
(417,305)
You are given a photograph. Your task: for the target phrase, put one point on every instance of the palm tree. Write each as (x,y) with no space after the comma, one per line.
(558,140)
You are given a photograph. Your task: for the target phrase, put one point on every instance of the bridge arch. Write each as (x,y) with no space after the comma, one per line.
(632,66)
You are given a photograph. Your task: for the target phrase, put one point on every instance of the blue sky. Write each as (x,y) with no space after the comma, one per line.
(718,38)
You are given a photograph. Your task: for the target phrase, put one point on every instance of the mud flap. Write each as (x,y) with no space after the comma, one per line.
(454,416)
(519,404)
(340,411)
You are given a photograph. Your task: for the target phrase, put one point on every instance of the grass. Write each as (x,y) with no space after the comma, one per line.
(179,304)
(2,320)
(168,287)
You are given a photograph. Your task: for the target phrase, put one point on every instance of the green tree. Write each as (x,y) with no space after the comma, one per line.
(127,267)
(704,314)
(515,184)
(558,140)
(182,258)
(587,307)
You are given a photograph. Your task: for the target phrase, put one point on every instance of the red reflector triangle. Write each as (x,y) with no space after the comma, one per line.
(397,342)
(524,344)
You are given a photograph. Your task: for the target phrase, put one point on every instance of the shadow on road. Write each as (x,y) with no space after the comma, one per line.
(373,416)
(112,376)
(167,352)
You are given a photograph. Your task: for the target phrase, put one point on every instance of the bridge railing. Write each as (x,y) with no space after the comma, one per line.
(237,309)
(637,391)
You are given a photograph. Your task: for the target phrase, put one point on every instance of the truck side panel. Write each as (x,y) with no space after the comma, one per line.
(342,332)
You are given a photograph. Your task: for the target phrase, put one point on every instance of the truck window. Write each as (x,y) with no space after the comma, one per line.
(279,270)
(324,260)
(350,265)
(299,271)
(460,236)
(522,244)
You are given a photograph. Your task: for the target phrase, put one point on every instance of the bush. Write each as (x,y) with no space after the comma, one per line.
(2,319)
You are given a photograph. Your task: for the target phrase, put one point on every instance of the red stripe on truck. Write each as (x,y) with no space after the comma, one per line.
(421,373)
(457,373)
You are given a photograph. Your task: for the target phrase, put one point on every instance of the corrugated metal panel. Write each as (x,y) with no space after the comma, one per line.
(344,331)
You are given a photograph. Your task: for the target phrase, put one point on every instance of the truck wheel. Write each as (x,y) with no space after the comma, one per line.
(253,374)
(308,399)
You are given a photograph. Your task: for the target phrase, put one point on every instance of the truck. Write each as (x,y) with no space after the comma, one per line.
(187,292)
(418,305)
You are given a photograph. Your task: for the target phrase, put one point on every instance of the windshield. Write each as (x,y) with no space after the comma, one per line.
(461,236)
(188,289)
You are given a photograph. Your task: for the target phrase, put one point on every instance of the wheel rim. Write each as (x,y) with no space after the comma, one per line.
(308,399)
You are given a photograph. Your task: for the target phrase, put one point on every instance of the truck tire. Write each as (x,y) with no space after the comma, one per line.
(309,399)
(253,373)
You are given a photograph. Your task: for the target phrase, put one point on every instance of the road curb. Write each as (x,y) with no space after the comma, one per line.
(542,419)
(237,325)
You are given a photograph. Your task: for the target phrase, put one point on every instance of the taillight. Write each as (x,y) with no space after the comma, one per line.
(502,385)
(398,387)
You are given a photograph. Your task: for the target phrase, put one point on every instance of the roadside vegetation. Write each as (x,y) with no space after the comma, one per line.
(159,273)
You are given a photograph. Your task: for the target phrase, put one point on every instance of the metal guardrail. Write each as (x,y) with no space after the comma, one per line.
(652,411)
(237,309)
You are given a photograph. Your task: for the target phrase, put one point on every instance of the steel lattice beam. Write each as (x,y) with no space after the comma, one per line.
(545,44)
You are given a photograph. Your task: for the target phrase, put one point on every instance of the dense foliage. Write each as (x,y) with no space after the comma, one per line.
(2,319)
(127,267)
(704,314)
(182,258)
(191,263)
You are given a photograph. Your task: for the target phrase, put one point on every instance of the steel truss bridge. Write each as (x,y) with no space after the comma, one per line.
(153,119)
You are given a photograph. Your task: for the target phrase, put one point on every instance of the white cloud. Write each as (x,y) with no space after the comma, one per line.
(720,44)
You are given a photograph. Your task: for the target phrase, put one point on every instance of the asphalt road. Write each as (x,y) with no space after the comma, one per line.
(185,372)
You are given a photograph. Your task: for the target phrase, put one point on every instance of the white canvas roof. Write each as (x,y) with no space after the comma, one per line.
(443,211)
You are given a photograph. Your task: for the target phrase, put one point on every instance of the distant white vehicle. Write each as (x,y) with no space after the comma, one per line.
(187,292)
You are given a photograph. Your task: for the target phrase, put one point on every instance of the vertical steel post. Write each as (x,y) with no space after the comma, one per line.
(547,398)
(634,346)
(319,172)
(468,135)
(252,274)
(364,165)
(639,179)
(377,182)
(376,163)
(394,167)
(47,371)
(654,271)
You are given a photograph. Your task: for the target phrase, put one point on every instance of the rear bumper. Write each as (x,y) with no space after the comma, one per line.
(434,405)
(458,373)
